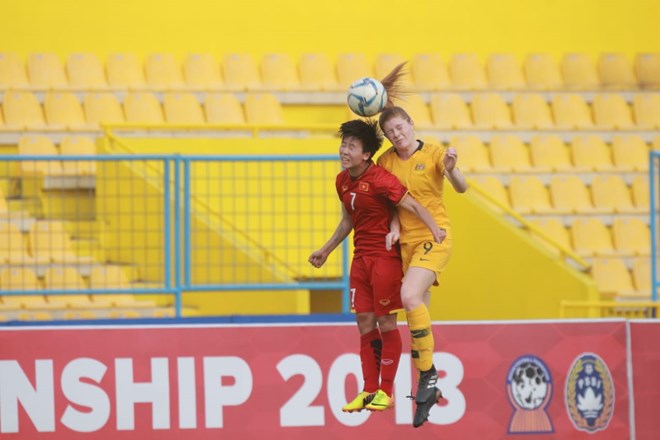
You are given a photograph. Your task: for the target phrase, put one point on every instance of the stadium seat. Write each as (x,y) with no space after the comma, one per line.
(124,71)
(472,153)
(38,145)
(78,146)
(201,71)
(223,108)
(45,71)
(279,73)
(591,153)
(429,72)
(509,153)
(182,108)
(570,195)
(49,240)
(646,108)
(13,248)
(612,277)
(418,110)
(631,236)
(12,72)
(555,230)
(449,111)
(490,111)
(22,111)
(240,72)
(111,277)
(641,274)
(493,186)
(612,193)
(579,72)
(63,110)
(23,278)
(616,71)
(591,237)
(351,67)
(528,195)
(504,73)
(67,278)
(85,72)
(263,108)
(143,108)
(542,72)
(317,72)
(647,69)
(630,153)
(102,108)
(530,111)
(549,153)
(570,111)
(163,72)
(467,72)
(640,193)
(611,111)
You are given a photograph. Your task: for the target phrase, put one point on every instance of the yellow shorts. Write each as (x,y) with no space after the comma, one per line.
(427,254)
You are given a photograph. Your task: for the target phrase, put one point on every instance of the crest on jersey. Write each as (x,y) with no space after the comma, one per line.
(589,393)
(420,167)
(363,186)
(529,388)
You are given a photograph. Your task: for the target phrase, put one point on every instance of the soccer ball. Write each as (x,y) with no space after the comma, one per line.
(367,96)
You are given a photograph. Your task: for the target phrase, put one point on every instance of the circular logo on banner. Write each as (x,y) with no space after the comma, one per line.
(589,393)
(529,387)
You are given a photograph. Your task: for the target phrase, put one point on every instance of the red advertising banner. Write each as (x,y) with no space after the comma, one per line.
(520,380)
(645,353)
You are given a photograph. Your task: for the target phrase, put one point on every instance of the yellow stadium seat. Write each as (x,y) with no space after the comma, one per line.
(182,108)
(493,186)
(655,143)
(616,71)
(549,153)
(12,72)
(646,108)
(630,153)
(317,72)
(38,145)
(591,153)
(579,72)
(263,108)
(102,108)
(202,71)
(641,195)
(22,110)
(570,195)
(124,71)
(530,111)
(418,110)
(591,237)
(555,230)
(68,278)
(631,236)
(240,72)
(509,153)
(279,73)
(450,111)
(504,73)
(528,195)
(351,67)
(223,108)
(385,62)
(647,69)
(542,72)
(611,111)
(63,110)
(143,107)
(110,277)
(570,111)
(163,72)
(13,249)
(472,153)
(467,72)
(48,239)
(641,273)
(23,278)
(429,72)
(78,146)
(85,72)
(489,110)
(612,277)
(46,71)
(612,193)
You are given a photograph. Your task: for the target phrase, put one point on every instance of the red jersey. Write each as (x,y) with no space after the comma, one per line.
(368,199)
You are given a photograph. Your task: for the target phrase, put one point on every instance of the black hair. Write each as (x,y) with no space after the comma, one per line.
(364,130)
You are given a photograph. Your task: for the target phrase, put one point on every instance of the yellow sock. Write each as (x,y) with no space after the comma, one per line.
(421,342)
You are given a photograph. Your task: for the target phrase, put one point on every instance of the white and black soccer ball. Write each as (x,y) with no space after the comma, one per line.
(529,385)
(367,97)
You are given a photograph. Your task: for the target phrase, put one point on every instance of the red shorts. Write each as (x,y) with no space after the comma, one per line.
(376,285)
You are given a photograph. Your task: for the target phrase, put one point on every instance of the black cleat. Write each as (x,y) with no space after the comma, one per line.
(427,396)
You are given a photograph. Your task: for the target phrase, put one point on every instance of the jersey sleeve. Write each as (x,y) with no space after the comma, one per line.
(394,190)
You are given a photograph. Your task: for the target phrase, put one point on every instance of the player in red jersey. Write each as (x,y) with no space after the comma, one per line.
(369,195)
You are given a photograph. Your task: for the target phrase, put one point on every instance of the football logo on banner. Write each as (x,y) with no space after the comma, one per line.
(529,387)
(589,393)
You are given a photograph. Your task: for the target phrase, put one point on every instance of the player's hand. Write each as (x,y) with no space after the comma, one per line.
(390,239)
(317,259)
(439,234)
(451,157)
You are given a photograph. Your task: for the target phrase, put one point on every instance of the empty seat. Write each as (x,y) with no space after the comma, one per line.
(549,153)
(385,62)
(278,72)
(78,146)
(124,71)
(45,71)
(616,71)
(640,193)
(631,236)
(611,111)
(509,153)
(85,72)
(429,72)
(263,108)
(647,69)
(13,248)
(570,195)
(351,67)
(182,108)
(591,237)
(528,195)
(317,72)
(555,230)
(23,278)
(612,193)
(542,72)
(646,108)
(163,72)
(467,72)
(12,72)
(612,277)
(22,110)
(223,108)
(51,241)
(418,110)
(240,72)
(489,110)
(494,188)
(143,108)
(472,153)
(111,277)
(202,71)
(570,111)
(641,274)
(450,111)
(63,110)
(579,72)
(630,153)
(66,278)
(531,111)
(38,145)
(102,108)
(591,153)
(503,72)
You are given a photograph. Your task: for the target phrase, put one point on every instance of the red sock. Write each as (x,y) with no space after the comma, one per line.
(370,352)
(390,360)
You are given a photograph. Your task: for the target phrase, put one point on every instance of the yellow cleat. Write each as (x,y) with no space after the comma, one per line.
(380,402)
(359,403)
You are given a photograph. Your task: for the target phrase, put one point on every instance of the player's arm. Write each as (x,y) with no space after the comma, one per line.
(452,172)
(317,259)
(395,229)
(424,215)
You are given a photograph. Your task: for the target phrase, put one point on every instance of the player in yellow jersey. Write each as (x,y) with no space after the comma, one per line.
(422,168)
